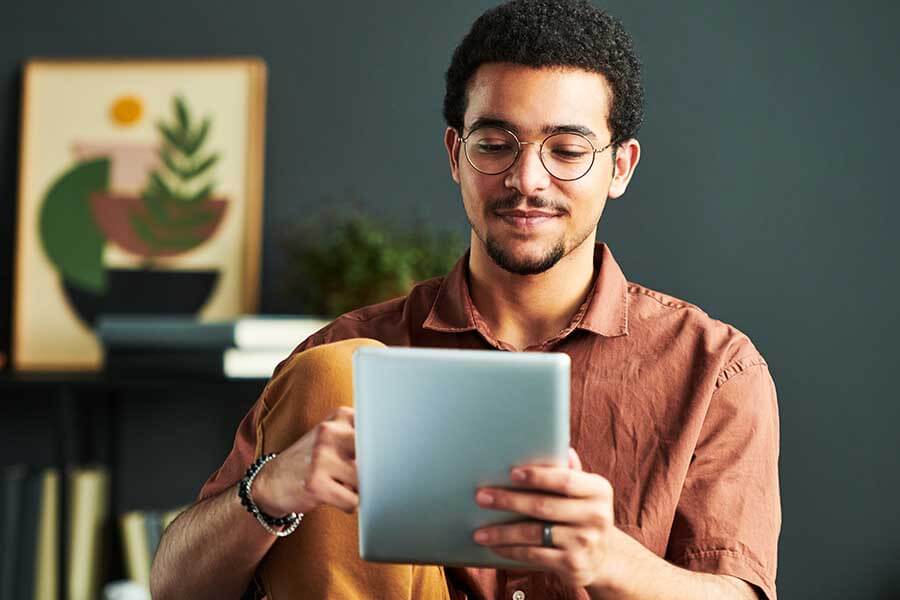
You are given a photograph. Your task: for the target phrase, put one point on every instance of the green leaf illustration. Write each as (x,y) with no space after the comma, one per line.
(201,194)
(179,242)
(202,167)
(156,208)
(196,219)
(173,166)
(71,238)
(171,240)
(171,136)
(161,184)
(166,155)
(181,112)
(140,226)
(198,138)
(176,216)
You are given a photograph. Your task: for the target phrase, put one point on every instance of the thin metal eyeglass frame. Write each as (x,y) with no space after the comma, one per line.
(519,145)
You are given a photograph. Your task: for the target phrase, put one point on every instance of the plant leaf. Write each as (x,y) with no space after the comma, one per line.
(156,208)
(202,167)
(350,261)
(173,241)
(170,163)
(198,138)
(202,194)
(184,119)
(173,138)
(194,219)
(160,183)
(179,242)
(143,230)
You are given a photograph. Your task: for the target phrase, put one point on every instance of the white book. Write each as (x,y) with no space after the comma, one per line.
(251,364)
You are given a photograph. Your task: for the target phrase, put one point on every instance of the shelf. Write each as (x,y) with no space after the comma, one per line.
(75,380)
(99,395)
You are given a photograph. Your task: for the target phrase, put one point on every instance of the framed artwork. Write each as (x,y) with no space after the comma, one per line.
(140,192)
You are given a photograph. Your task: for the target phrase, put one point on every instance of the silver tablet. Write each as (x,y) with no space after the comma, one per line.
(432,426)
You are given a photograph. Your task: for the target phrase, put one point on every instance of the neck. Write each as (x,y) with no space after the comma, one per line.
(526,310)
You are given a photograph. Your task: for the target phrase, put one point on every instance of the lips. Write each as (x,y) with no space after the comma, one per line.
(527,219)
(526,214)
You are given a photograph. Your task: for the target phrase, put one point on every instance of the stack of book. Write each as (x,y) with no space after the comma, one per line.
(29,532)
(248,348)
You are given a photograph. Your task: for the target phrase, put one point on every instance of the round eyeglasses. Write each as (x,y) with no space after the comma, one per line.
(567,156)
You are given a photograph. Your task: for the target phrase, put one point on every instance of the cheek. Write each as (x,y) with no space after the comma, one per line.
(477,189)
(587,202)
(472,198)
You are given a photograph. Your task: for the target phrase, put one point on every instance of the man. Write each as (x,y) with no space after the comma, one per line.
(672,486)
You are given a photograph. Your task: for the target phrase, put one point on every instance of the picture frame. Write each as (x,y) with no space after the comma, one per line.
(140,192)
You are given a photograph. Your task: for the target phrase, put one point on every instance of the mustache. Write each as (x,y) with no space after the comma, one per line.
(536,202)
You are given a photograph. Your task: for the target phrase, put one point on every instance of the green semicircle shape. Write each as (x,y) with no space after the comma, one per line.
(69,235)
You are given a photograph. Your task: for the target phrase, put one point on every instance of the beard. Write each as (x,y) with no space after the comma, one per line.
(502,257)
(532,266)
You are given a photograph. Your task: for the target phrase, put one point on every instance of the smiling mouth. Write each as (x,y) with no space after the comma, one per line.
(527,219)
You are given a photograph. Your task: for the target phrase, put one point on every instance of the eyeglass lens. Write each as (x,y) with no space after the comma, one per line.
(493,150)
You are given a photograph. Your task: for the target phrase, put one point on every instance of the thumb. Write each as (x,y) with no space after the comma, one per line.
(574,461)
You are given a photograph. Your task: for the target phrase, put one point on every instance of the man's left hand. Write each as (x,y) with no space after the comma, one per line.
(578,506)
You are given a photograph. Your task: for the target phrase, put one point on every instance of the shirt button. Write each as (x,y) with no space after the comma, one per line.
(518,595)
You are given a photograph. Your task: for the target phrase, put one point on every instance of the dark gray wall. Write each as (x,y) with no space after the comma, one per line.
(766,195)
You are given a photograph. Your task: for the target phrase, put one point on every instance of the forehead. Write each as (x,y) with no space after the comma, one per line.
(535,98)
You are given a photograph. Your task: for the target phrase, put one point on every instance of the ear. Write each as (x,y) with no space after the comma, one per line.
(628,154)
(452,144)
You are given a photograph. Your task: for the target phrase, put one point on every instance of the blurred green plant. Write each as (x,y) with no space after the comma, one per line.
(343,263)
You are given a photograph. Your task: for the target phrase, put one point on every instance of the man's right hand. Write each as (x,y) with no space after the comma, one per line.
(319,468)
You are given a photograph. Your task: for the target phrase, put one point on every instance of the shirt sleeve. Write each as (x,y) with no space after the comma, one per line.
(244,450)
(728,516)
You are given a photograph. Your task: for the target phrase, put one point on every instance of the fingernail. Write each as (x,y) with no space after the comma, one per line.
(481,537)
(518,475)
(485,498)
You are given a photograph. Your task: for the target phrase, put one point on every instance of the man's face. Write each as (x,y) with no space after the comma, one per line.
(526,219)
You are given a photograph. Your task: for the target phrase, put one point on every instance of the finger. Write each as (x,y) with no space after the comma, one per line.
(531,533)
(561,480)
(330,463)
(344,414)
(340,497)
(337,434)
(524,533)
(574,460)
(345,472)
(550,559)
(545,507)
(346,444)
(328,491)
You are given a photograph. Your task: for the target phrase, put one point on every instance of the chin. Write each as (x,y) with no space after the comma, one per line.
(525,261)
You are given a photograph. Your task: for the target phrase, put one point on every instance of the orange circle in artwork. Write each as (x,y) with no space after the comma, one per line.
(126,110)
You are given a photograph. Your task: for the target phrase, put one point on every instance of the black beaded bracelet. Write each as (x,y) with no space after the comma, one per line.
(267,521)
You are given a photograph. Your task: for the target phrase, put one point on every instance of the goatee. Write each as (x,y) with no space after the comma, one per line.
(524,267)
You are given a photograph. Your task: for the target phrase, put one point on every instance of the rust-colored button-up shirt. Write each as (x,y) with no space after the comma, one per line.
(676,409)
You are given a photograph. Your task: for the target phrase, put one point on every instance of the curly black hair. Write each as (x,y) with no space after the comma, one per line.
(551,33)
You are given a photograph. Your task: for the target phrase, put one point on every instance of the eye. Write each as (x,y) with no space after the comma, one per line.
(569,154)
(568,148)
(493,146)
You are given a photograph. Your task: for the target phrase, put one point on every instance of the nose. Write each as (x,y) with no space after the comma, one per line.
(528,175)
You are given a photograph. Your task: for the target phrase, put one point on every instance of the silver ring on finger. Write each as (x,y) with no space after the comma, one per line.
(547,535)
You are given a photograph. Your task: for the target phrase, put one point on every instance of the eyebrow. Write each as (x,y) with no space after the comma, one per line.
(545,130)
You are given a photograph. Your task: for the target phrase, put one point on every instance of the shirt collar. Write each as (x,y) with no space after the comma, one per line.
(605,311)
